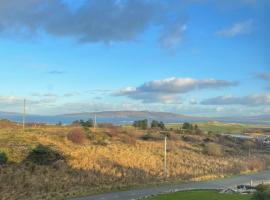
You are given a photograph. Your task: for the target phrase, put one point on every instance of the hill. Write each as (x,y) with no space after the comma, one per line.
(123,117)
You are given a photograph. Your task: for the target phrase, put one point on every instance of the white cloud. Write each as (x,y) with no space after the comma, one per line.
(240,28)
(15,103)
(11,100)
(251,100)
(168,90)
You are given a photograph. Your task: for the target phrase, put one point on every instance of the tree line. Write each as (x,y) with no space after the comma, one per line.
(143,124)
(86,124)
(185,128)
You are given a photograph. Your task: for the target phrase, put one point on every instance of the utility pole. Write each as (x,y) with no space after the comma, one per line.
(24,113)
(149,123)
(165,156)
(95,122)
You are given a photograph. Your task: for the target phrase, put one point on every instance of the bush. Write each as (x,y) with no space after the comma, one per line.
(263,192)
(77,136)
(102,142)
(43,155)
(263,188)
(127,139)
(213,149)
(3,158)
(261,196)
(147,136)
(248,145)
(191,139)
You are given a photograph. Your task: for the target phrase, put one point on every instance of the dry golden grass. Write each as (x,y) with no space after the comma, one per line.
(124,160)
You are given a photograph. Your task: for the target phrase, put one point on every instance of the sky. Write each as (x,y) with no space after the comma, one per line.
(193,57)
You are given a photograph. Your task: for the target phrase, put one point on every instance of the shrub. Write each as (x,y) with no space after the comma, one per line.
(263,188)
(192,139)
(149,136)
(127,139)
(256,165)
(3,158)
(105,125)
(248,145)
(213,149)
(86,124)
(114,131)
(43,155)
(263,192)
(261,196)
(77,136)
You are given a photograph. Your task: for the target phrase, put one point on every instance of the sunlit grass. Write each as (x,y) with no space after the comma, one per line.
(124,161)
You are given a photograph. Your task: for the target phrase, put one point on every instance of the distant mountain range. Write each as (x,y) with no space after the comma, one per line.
(122,117)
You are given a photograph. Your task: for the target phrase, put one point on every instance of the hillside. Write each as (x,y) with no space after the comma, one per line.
(123,117)
(44,160)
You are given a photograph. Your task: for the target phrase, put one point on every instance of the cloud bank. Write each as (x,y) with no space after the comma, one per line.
(250,100)
(107,21)
(168,90)
(104,21)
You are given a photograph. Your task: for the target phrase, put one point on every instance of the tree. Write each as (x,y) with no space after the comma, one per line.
(157,124)
(142,124)
(86,124)
(187,126)
(59,123)
(161,125)
(154,124)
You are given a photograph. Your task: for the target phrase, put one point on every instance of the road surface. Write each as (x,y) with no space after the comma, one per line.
(217,184)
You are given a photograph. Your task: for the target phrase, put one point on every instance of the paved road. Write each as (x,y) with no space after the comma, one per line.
(218,184)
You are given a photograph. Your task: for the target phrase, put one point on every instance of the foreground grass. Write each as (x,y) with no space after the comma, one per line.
(111,159)
(201,195)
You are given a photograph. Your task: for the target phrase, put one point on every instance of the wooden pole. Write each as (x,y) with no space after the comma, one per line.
(24,113)
(165,156)
(95,122)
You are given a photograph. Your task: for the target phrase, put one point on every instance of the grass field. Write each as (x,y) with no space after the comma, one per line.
(220,127)
(109,159)
(200,195)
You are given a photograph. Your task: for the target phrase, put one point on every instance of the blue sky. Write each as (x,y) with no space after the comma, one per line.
(201,57)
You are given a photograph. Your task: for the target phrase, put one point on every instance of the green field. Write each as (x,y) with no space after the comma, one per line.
(219,127)
(200,195)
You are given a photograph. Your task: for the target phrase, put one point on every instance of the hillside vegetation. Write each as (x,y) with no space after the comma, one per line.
(56,162)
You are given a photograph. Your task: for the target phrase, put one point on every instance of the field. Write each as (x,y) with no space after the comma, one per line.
(200,195)
(44,163)
(220,127)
